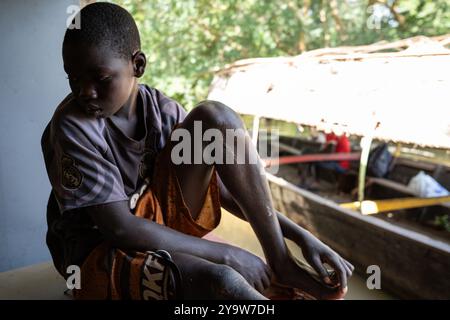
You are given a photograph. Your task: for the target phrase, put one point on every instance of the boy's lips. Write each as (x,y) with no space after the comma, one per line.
(92,108)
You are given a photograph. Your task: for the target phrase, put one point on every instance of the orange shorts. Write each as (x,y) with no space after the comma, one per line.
(110,273)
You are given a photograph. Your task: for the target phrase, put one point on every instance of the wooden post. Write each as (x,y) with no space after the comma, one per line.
(255,130)
(398,149)
(365,148)
(366,142)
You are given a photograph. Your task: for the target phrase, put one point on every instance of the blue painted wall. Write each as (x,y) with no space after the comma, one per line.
(32,82)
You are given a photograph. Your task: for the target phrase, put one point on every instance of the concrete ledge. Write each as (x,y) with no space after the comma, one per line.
(41,281)
(37,282)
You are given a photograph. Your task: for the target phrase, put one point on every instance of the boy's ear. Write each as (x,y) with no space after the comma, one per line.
(139,63)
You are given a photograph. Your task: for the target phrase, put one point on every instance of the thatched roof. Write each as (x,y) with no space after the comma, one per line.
(407,91)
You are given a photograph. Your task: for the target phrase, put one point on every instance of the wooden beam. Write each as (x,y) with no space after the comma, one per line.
(318,157)
(366,142)
(287,148)
(255,129)
(416,164)
(377,206)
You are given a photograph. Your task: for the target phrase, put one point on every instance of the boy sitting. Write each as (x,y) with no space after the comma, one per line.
(132,218)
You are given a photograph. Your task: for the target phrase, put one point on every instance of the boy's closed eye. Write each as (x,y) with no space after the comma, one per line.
(100,78)
(104,78)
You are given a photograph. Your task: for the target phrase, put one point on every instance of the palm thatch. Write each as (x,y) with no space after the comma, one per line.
(404,86)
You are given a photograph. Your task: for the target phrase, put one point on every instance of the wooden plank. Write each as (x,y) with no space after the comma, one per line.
(377,206)
(391,185)
(287,148)
(413,266)
(420,165)
(398,187)
(317,157)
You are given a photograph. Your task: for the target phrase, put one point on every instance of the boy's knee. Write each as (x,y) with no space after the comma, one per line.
(216,114)
(225,280)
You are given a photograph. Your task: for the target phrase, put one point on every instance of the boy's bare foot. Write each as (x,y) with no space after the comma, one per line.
(292,275)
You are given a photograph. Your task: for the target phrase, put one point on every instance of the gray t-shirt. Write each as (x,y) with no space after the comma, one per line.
(90,161)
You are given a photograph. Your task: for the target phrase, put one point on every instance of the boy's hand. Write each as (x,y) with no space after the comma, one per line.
(291,274)
(250,266)
(317,253)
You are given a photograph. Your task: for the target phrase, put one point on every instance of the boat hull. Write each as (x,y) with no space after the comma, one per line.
(413,266)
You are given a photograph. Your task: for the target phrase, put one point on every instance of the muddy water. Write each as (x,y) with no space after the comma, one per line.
(239,233)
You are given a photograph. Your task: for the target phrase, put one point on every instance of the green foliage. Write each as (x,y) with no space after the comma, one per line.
(442,222)
(186,41)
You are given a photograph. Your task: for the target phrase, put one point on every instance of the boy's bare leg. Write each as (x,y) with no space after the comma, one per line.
(246,184)
(202,279)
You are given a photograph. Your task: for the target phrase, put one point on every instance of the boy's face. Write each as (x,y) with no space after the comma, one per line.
(101,81)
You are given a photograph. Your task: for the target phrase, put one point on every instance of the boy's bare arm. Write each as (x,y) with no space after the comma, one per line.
(287,226)
(126,231)
(313,250)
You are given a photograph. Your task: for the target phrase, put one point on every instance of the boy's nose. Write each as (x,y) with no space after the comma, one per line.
(87,93)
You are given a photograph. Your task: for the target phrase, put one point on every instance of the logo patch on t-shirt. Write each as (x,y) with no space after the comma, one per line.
(71,176)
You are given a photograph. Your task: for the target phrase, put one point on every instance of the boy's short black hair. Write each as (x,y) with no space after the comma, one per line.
(109,25)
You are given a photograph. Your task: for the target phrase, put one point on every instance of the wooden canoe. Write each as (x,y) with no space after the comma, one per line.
(414,261)
(413,265)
